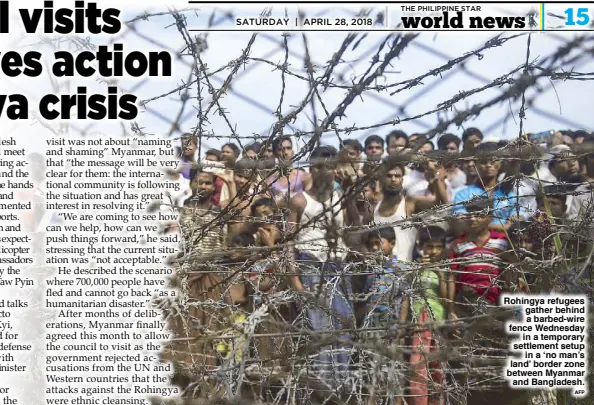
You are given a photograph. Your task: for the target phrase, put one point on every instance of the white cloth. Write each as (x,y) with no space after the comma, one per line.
(410,181)
(312,238)
(458,182)
(406,238)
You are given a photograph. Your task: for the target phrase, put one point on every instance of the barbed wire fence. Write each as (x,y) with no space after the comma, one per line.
(273,355)
(251,375)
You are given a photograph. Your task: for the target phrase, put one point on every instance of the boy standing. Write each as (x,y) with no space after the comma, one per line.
(387,306)
(474,288)
(428,306)
(476,266)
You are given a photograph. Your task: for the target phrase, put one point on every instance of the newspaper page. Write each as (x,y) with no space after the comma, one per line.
(296,203)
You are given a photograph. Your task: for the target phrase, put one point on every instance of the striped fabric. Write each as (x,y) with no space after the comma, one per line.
(479,266)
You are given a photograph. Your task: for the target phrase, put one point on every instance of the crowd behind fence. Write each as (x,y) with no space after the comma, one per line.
(370,272)
(374,273)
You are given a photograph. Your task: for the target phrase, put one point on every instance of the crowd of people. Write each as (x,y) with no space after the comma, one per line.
(378,266)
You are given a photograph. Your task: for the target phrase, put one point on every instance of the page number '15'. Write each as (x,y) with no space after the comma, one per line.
(577,16)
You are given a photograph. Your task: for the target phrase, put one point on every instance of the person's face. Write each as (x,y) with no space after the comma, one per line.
(250,154)
(227,154)
(566,168)
(522,242)
(263,211)
(433,249)
(556,205)
(323,175)
(368,194)
(376,244)
(212,158)
(374,151)
(451,147)
(285,151)
(474,140)
(392,181)
(395,145)
(188,148)
(477,222)
(268,153)
(241,179)
(205,185)
(426,148)
(488,169)
(469,170)
(351,154)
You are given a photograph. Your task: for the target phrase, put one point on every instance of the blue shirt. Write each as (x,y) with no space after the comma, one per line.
(387,287)
(505,204)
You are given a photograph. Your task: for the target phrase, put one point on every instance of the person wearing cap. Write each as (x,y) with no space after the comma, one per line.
(505,202)
(563,164)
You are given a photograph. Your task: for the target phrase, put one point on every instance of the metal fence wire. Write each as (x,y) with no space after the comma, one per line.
(236,342)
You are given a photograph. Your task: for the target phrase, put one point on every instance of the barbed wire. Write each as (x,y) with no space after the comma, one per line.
(271,355)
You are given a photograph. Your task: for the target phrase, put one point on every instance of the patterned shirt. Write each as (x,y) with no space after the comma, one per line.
(387,286)
(479,267)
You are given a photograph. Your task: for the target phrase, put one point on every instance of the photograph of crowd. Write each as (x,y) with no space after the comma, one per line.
(371,273)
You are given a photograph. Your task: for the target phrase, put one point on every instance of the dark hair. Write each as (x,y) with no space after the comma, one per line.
(244,239)
(396,161)
(254,147)
(353,143)
(468,132)
(214,152)
(397,134)
(554,191)
(486,148)
(431,233)
(428,142)
(481,204)
(276,144)
(246,167)
(518,228)
(322,153)
(374,139)
(371,184)
(263,202)
(386,232)
(189,137)
(446,139)
(580,133)
(234,148)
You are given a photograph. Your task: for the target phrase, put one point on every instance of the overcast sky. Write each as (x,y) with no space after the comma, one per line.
(256,89)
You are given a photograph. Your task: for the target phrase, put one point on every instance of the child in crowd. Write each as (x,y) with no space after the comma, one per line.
(387,305)
(264,282)
(234,293)
(476,264)
(428,306)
